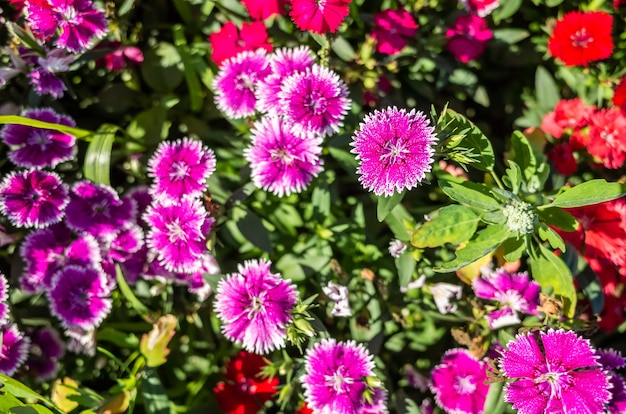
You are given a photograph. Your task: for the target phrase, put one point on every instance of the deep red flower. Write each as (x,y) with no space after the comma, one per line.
(468,38)
(304,409)
(619,95)
(582,37)
(319,16)
(392,27)
(612,314)
(243,392)
(229,41)
(607,140)
(562,156)
(569,115)
(262,9)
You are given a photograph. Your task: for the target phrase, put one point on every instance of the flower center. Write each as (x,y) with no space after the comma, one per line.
(464,385)
(394,152)
(281,154)
(257,305)
(337,381)
(175,232)
(581,38)
(179,171)
(316,104)
(511,299)
(245,81)
(557,381)
(69,14)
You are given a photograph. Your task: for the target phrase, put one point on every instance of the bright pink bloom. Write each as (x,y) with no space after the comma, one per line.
(262,9)
(120,56)
(607,141)
(392,27)
(560,375)
(319,16)
(459,383)
(582,37)
(229,41)
(569,115)
(481,8)
(394,149)
(13,349)
(468,38)
(282,162)
(255,307)
(236,82)
(4,299)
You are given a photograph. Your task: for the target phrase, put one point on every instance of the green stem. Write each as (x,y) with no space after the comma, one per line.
(496,179)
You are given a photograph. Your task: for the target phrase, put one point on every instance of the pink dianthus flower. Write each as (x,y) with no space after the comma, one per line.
(13,349)
(262,9)
(468,38)
(319,16)
(229,41)
(392,29)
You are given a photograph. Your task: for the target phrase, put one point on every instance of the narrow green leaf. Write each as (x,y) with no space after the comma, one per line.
(473,138)
(555,216)
(154,396)
(550,271)
(494,403)
(513,177)
(386,204)
(592,288)
(97,166)
(546,89)
(551,236)
(588,193)
(189,68)
(484,242)
(475,195)
(8,401)
(506,10)
(522,153)
(17,389)
(21,120)
(30,409)
(128,294)
(251,226)
(343,49)
(406,266)
(451,224)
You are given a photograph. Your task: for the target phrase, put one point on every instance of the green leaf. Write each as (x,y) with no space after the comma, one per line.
(161,68)
(522,153)
(475,195)
(546,89)
(154,396)
(193,83)
(588,193)
(21,120)
(494,403)
(550,271)
(251,226)
(510,36)
(551,236)
(506,10)
(8,401)
(386,204)
(406,266)
(513,177)
(453,123)
(513,248)
(592,288)
(119,338)
(484,242)
(30,409)
(451,224)
(97,166)
(343,49)
(130,297)
(11,389)
(555,216)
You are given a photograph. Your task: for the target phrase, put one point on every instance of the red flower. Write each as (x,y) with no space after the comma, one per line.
(607,140)
(582,37)
(480,7)
(563,158)
(243,392)
(619,96)
(569,115)
(391,28)
(468,37)
(304,409)
(319,16)
(262,9)
(229,42)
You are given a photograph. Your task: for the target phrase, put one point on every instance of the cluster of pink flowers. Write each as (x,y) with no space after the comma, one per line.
(301,103)
(579,129)
(392,29)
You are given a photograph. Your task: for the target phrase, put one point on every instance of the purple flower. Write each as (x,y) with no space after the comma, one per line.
(335,379)
(98,210)
(560,374)
(46,83)
(36,147)
(176,233)
(255,307)
(394,149)
(142,198)
(459,383)
(79,297)
(316,101)
(284,63)
(13,349)
(282,162)
(78,22)
(125,243)
(4,299)
(236,82)
(45,351)
(611,361)
(33,198)
(180,169)
(82,341)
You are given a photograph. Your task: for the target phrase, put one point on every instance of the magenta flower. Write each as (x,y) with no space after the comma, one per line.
(282,162)
(612,361)
(4,299)
(459,383)
(36,147)
(13,349)
(283,63)
(394,148)
(255,307)
(335,379)
(560,374)
(176,233)
(236,81)
(468,38)
(46,83)
(78,22)
(127,242)
(98,210)
(45,351)
(315,101)
(33,198)
(392,29)
(79,297)
(180,169)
